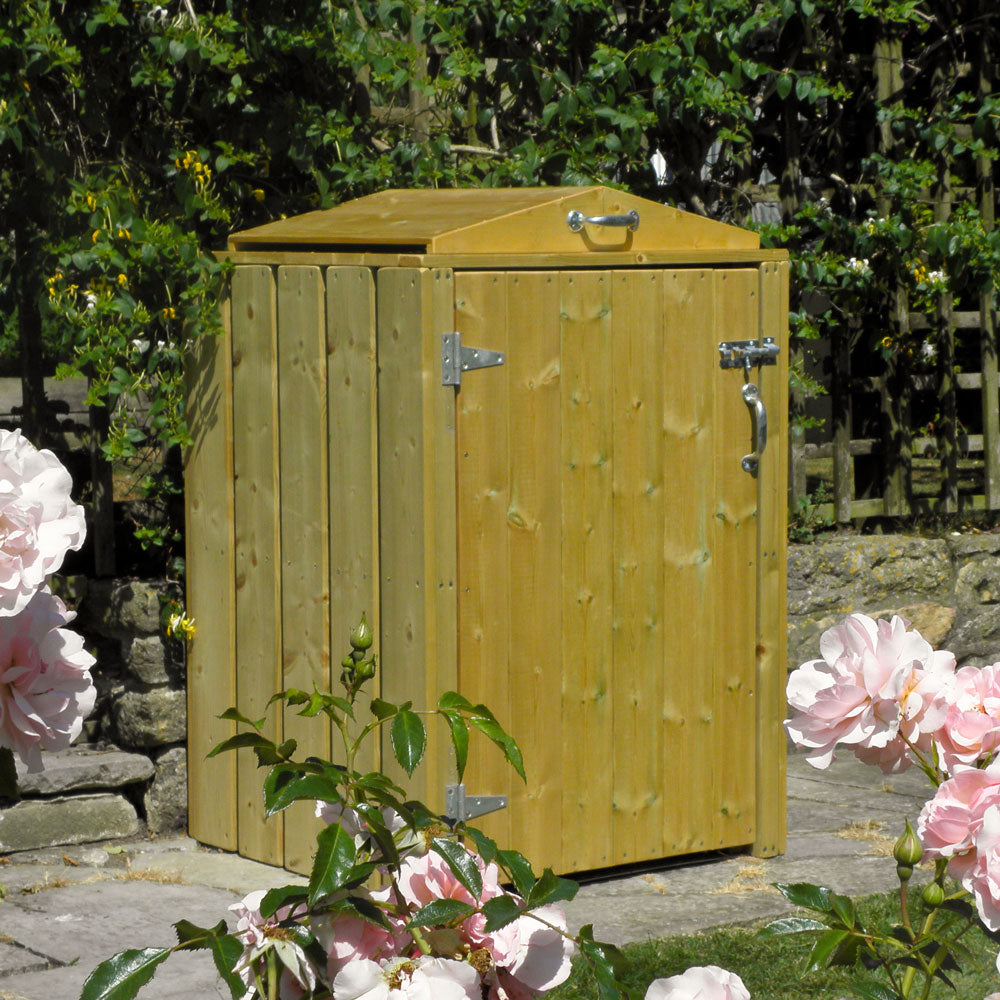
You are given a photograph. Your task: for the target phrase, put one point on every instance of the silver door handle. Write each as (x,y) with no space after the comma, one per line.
(758,420)
(575,220)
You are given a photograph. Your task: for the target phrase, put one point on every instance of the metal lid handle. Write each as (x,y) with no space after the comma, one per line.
(576,220)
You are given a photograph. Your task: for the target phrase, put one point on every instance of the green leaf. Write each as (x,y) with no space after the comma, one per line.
(8,774)
(486,848)
(234,715)
(123,975)
(824,949)
(408,739)
(441,911)
(452,699)
(225,949)
(783,85)
(382,709)
(520,871)
(813,897)
(500,911)
(178,50)
(791,925)
(286,895)
(241,740)
(491,728)
(334,859)
(459,739)
(462,864)
(282,788)
(843,907)
(865,989)
(551,888)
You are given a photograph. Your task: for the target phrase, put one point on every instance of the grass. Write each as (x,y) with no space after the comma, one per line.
(773,968)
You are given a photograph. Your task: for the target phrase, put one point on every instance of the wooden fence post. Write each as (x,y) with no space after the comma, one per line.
(894,393)
(987,317)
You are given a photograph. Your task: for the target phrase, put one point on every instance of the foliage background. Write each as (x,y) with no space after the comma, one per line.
(135,136)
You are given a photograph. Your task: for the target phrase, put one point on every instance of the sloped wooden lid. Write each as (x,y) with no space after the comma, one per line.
(493,220)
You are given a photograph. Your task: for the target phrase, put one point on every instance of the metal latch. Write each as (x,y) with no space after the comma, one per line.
(747,353)
(456,359)
(458,807)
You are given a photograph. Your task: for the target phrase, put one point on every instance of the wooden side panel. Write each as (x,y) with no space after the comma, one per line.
(587,568)
(302,464)
(440,533)
(771,559)
(484,621)
(351,421)
(258,565)
(735,548)
(534,540)
(211,657)
(639,524)
(417,498)
(693,736)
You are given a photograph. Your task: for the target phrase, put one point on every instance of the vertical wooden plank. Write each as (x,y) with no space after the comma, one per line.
(735,547)
(587,645)
(258,567)
(211,654)
(401,491)
(484,614)
(694,739)
(416,508)
(353,472)
(770,831)
(302,471)
(986,197)
(534,531)
(638,516)
(440,532)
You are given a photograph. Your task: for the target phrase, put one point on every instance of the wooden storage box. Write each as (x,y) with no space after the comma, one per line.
(569,537)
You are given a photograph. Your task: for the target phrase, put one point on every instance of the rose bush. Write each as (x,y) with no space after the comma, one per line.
(881,690)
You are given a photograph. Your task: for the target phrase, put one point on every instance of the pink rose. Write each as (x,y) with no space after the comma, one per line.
(949,823)
(971,729)
(346,938)
(39,522)
(422,978)
(876,684)
(261,934)
(983,878)
(700,982)
(45,685)
(544,951)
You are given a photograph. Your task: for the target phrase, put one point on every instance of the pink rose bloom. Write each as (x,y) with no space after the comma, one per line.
(971,728)
(700,982)
(949,823)
(45,686)
(544,952)
(346,938)
(422,978)
(39,522)
(261,934)
(983,878)
(876,683)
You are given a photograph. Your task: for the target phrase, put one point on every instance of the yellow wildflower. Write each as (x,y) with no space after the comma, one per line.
(258,193)
(122,281)
(91,202)
(124,234)
(95,235)
(887,342)
(180,626)
(169,312)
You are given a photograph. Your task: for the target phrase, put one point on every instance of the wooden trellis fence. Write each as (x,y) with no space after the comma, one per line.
(910,440)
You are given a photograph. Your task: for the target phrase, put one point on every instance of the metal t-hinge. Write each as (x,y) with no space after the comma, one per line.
(747,353)
(459,807)
(456,359)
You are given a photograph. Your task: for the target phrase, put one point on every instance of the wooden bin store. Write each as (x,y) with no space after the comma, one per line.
(589,537)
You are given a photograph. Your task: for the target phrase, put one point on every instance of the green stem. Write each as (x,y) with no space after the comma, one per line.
(272,975)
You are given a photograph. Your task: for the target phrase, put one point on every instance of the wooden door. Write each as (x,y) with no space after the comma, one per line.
(607,549)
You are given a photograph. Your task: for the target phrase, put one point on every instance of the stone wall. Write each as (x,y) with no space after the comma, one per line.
(128,773)
(949,588)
